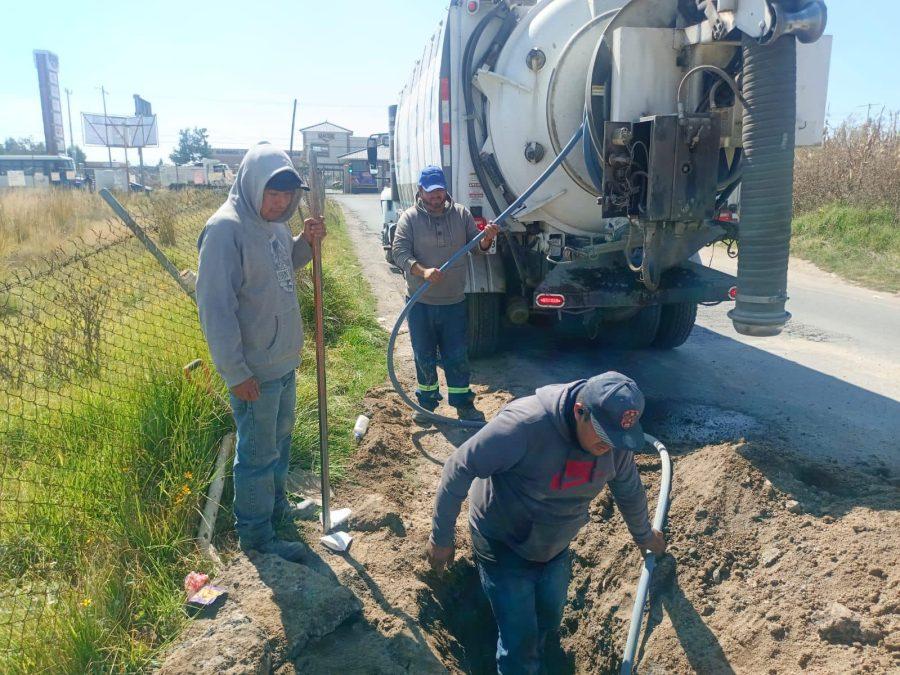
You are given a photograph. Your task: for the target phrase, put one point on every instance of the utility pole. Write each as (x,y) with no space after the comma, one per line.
(293,120)
(69,106)
(106,125)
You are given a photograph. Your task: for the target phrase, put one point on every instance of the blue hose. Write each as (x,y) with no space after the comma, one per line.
(659,521)
(499,220)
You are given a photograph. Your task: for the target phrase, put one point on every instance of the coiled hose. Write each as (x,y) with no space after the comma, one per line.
(770,90)
(649,564)
(499,220)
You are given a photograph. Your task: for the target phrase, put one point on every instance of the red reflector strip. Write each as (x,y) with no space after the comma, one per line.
(550,300)
(445,88)
(445,133)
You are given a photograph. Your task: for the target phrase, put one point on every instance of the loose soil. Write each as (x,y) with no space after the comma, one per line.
(776,563)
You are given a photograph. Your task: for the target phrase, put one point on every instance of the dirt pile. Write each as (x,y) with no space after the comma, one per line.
(775,565)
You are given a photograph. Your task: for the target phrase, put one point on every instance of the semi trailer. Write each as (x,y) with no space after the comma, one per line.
(690,112)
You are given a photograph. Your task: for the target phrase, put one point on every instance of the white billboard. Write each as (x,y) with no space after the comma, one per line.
(120,131)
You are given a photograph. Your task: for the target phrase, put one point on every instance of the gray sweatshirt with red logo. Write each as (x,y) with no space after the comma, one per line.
(529,482)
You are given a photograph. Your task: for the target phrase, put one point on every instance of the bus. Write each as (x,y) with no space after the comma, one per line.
(37,171)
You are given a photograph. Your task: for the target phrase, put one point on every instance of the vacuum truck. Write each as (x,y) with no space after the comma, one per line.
(689,111)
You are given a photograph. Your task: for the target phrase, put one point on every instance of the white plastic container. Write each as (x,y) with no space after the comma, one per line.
(360,428)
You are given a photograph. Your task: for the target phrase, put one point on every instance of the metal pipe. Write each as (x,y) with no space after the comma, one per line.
(315,208)
(659,522)
(499,220)
(148,243)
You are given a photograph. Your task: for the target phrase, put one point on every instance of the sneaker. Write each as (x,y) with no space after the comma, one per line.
(292,551)
(469,413)
(305,510)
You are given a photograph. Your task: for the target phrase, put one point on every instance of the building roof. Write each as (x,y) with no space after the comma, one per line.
(384,154)
(327,127)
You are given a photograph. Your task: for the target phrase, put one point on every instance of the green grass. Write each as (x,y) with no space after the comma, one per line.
(101,480)
(860,244)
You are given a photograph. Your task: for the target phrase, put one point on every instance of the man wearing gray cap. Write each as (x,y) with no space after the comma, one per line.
(530,476)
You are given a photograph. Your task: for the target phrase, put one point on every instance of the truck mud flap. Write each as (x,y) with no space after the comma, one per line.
(485,274)
(587,287)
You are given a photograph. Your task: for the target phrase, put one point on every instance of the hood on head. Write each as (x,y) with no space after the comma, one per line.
(558,400)
(260,163)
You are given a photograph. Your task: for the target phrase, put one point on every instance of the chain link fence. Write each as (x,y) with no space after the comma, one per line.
(92,340)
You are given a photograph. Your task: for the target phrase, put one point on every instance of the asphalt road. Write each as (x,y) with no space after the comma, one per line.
(828,386)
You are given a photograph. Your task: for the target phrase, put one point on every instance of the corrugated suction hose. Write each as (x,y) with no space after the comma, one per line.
(770,86)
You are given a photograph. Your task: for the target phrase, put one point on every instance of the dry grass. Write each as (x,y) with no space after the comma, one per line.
(34,222)
(847,202)
(858,164)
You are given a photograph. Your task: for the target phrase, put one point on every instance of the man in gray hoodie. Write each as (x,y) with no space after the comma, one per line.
(427,235)
(530,476)
(250,316)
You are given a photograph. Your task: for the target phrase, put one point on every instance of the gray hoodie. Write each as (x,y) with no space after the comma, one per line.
(245,278)
(529,482)
(430,241)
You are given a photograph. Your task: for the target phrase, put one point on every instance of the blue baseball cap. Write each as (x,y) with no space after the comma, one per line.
(616,405)
(432,178)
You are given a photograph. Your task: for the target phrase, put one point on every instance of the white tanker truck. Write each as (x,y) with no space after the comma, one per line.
(692,110)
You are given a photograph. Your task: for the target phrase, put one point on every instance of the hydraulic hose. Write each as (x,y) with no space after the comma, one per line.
(499,220)
(770,88)
(659,522)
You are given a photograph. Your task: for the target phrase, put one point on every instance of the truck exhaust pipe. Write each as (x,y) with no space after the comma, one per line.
(770,86)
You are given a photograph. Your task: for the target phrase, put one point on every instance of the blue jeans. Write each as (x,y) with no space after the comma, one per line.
(528,602)
(444,327)
(261,460)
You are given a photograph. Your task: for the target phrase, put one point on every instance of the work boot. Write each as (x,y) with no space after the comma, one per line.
(469,413)
(422,419)
(292,551)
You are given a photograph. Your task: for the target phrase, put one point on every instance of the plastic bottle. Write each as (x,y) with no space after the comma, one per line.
(360,428)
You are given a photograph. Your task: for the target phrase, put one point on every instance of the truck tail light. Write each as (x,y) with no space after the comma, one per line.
(732,293)
(472,6)
(480,223)
(553,300)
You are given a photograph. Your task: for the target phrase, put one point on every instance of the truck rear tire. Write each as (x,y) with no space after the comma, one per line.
(638,332)
(676,322)
(485,313)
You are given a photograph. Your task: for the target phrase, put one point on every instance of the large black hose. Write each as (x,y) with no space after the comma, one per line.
(770,89)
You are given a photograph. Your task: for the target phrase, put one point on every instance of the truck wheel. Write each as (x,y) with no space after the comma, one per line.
(676,322)
(637,332)
(485,312)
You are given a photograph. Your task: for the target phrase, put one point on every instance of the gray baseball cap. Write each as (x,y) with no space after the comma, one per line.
(616,405)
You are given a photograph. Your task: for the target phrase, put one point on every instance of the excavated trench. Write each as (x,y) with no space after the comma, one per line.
(456,606)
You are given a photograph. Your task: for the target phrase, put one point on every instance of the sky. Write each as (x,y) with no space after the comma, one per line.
(235,67)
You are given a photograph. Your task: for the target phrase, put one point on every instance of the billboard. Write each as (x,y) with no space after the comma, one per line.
(47,64)
(120,131)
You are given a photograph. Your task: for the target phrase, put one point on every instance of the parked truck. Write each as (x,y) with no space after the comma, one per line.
(205,173)
(691,112)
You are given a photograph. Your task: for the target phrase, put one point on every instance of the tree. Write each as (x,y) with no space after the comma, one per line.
(193,145)
(22,146)
(77,154)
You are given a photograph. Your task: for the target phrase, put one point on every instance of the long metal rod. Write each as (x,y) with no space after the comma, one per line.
(148,243)
(315,208)
(659,521)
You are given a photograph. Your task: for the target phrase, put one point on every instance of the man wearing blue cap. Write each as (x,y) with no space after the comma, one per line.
(427,235)
(530,476)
